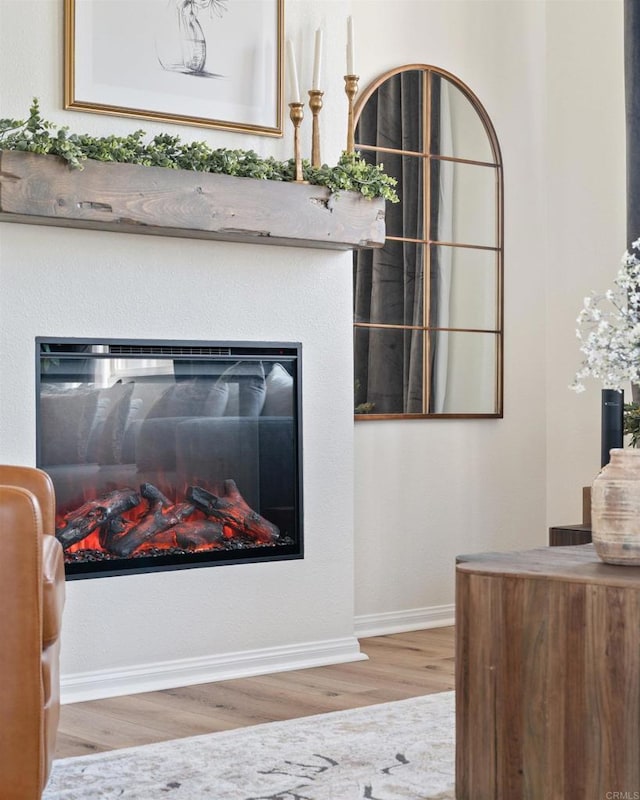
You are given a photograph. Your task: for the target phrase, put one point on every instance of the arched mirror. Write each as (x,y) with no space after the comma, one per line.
(428,308)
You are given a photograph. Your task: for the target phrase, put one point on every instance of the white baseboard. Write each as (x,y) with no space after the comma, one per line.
(413,619)
(99,684)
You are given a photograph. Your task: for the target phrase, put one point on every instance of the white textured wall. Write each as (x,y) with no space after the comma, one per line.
(586,224)
(550,74)
(428,490)
(59,282)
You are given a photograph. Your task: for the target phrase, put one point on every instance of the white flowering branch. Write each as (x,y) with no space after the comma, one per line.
(610,337)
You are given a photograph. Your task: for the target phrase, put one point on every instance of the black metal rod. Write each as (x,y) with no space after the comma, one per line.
(612,423)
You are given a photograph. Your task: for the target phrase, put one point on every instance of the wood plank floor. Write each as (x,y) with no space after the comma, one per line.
(400,666)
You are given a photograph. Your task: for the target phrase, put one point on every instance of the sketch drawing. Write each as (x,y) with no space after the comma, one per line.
(181,46)
(146,64)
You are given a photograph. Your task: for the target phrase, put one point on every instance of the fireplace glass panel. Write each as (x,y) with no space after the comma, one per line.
(170,455)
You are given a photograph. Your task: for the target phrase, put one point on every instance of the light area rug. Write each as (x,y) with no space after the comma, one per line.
(403,750)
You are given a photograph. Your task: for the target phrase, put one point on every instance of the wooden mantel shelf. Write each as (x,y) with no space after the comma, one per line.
(44,190)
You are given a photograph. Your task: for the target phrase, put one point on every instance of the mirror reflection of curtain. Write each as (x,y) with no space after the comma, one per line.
(388,283)
(632,107)
(442,175)
(427,306)
(632,112)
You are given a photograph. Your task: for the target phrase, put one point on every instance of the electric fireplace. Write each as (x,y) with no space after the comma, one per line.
(169,455)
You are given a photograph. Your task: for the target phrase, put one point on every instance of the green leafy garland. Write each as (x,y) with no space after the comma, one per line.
(37,135)
(632,423)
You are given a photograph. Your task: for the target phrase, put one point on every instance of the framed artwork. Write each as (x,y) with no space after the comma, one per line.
(212,63)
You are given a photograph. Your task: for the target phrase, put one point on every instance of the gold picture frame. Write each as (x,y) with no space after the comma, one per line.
(209,63)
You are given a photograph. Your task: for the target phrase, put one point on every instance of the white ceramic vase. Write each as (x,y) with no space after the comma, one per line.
(615,509)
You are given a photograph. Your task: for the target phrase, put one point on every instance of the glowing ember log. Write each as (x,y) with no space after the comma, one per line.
(197,534)
(94,513)
(161,516)
(125,522)
(232,511)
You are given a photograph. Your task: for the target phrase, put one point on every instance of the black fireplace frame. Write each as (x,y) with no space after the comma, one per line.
(69,347)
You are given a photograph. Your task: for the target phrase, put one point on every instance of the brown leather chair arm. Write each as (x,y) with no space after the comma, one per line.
(38,482)
(31,598)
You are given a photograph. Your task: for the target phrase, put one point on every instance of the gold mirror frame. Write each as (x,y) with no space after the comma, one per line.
(428,243)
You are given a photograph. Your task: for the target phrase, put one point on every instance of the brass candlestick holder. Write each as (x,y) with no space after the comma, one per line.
(351,89)
(315,104)
(296,115)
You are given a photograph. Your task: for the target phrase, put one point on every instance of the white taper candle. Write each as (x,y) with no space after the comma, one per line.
(317,60)
(294,86)
(350,47)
